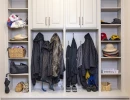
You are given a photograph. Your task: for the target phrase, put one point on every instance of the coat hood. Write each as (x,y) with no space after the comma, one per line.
(74,45)
(39,37)
(87,36)
(55,38)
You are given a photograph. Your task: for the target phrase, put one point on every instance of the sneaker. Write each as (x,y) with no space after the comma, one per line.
(68,89)
(74,88)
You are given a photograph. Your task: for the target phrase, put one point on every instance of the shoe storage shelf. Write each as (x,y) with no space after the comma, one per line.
(72,25)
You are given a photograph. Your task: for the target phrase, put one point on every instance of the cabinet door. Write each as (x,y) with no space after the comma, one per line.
(73,13)
(55,19)
(39,13)
(88,13)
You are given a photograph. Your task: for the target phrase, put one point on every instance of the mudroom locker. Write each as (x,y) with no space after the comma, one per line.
(64,49)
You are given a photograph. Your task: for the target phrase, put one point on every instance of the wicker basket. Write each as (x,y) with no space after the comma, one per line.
(17,52)
(106,86)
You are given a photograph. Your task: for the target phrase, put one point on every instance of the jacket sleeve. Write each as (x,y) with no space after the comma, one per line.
(32,67)
(62,65)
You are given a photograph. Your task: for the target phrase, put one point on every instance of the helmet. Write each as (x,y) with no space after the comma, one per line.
(115,37)
(103,36)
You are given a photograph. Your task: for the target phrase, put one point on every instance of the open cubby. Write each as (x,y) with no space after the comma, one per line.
(14,32)
(111,64)
(20,44)
(114,80)
(17,62)
(109,16)
(47,36)
(15,79)
(17,3)
(116,45)
(110,3)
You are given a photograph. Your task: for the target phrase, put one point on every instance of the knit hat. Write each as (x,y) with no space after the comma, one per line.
(110,48)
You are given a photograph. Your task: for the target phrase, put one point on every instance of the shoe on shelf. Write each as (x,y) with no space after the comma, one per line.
(68,89)
(19,37)
(93,88)
(88,88)
(74,88)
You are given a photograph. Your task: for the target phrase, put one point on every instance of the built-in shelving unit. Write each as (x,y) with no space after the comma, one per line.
(111,9)
(20,8)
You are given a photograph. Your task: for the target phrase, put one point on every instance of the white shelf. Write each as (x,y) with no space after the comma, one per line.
(63,95)
(24,74)
(119,74)
(25,58)
(18,41)
(110,57)
(110,9)
(109,41)
(18,9)
(110,25)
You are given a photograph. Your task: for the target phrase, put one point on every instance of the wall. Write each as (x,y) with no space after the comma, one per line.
(2,45)
(127,44)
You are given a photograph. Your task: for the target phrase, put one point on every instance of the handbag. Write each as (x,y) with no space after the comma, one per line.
(17,69)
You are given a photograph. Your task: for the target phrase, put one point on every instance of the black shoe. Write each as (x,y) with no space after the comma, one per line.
(74,88)
(93,88)
(88,89)
(68,89)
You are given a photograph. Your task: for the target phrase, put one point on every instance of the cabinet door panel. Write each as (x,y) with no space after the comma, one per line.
(55,18)
(88,12)
(39,14)
(73,13)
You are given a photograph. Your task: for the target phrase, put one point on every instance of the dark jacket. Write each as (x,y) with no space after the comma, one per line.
(73,62)
(90,58)
(90,55)
(37,58)
(68,66)
(46,55)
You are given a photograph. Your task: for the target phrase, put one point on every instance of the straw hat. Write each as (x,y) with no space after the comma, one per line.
(110,48)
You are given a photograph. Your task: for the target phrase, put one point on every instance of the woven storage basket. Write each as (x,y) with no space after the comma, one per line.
(17,52)
(106,86)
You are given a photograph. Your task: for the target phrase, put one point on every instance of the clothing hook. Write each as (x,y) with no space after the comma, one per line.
(73,35)
(68,42)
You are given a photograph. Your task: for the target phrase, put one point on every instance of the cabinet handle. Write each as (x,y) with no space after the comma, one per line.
(79,21)
(82,20)
(46,21)
(49,21)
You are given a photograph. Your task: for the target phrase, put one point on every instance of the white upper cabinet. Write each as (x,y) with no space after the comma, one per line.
(88,13)
(81,13)
(47,13)
(55,14)
(73,13)
(39,13)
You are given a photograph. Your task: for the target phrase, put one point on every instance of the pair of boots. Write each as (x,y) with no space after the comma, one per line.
(73,88)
